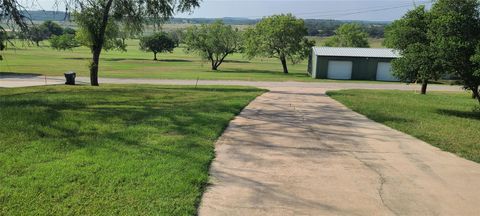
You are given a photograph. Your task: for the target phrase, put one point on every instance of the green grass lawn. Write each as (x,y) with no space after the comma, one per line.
(114,150)
(445,120)
(28,59)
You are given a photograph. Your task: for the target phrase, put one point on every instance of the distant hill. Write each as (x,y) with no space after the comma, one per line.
(47,15)
(316,27)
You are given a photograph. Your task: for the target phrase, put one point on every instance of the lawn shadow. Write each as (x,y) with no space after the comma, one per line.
(4,74)
(237,61)
(475,115)
(269,72)
(129,59)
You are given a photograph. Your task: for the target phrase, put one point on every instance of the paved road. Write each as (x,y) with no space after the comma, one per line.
(20,81)
(295,151)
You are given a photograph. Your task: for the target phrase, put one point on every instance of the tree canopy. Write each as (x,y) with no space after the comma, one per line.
(349,35)
(409,35)
(213,42)
(455,32)
(100,19)
(64,42)
(157,43)
(52,28)
(278,36)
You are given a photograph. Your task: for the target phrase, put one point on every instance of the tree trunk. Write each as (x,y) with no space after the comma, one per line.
(424,86)
(155,56)
(284,64)
(94,66)
(214,65)
(476,94)
(98,45)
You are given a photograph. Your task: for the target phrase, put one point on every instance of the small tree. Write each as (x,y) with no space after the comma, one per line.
(409,35)
(37,34)
(52,28)
(64,42)
(157,43)
(213,42)
(349,35)
(177,36)
(279,36)
(69,31)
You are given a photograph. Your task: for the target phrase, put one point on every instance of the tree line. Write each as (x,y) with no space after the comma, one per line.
(327,28)
(315,27)
(437,42)
(279,36)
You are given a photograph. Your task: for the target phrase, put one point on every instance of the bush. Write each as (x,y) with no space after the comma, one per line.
(64,42)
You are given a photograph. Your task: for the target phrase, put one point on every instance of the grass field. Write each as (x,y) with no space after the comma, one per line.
(445,120)
(115,150)
(137,64)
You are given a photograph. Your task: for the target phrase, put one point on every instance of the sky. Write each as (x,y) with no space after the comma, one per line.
(372,10)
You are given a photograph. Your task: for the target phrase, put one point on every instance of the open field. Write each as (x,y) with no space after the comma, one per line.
(445,120)
(137,64)
(118,150)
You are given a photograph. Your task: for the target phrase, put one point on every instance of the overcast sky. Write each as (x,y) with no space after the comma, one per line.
(374,10)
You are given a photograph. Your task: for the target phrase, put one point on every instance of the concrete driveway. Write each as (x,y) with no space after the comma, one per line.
(295,151)
(298,152)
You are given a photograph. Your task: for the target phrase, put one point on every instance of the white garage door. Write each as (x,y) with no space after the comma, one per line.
(341,70)
(384,72)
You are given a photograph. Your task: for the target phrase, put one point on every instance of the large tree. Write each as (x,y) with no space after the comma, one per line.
(279,36)
(213,42)
(95,16)
(349,35)
(52,28)
(157,43)
(455,31)
(409,36)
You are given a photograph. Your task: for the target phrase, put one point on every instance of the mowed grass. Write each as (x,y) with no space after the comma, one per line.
(43,60)
(113,150)
(445,120)
(135,63)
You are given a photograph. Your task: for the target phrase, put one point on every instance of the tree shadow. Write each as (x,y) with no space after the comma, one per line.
(269,72)
(18,75)
(475,115)
(129,59)
(237,61)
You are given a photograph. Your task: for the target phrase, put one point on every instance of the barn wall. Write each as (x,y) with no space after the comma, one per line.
(363,68)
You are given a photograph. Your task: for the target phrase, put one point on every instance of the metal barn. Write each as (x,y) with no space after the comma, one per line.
(351,63)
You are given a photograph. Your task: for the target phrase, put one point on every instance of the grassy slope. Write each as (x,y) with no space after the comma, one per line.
(445,120)
(114,150)
(137,64)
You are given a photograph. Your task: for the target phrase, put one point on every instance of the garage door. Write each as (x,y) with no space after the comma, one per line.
(340,70)
(384,72)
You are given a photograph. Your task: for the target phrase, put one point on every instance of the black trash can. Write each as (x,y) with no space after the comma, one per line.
(70,77)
